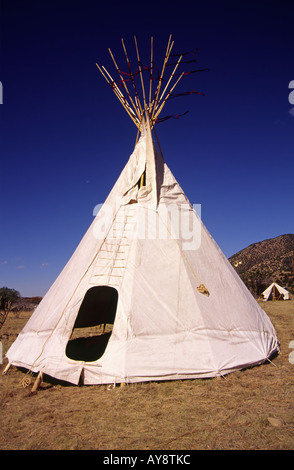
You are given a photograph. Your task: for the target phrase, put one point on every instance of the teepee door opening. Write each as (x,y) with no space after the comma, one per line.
(93,325)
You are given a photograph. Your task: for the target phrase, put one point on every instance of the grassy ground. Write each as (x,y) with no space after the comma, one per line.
(251,409)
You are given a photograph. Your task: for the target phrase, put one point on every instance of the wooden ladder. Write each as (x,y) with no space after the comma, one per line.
(112,259)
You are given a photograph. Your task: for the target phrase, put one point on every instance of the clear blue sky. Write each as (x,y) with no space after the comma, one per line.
(65,137)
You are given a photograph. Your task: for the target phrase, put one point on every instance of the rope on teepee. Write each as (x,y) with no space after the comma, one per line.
(26,381)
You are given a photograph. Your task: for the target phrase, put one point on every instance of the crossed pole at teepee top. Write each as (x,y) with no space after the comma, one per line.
(149,107)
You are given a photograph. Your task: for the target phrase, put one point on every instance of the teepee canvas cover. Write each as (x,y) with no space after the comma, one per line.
(147,266)
(275,291)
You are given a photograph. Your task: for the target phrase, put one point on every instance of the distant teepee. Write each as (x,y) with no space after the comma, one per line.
(148,294)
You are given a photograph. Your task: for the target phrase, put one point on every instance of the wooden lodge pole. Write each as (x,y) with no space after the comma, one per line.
(124,84)
(151,74)
(137,100)
(119,95)
(156,95)
(141,76)
(154,117)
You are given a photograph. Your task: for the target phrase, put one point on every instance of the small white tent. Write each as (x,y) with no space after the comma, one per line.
(275,292)
(148,267)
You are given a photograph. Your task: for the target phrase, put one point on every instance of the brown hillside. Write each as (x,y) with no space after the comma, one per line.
(265,262)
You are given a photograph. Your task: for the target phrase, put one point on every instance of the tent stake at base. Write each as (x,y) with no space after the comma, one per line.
(6,369)
(37,382)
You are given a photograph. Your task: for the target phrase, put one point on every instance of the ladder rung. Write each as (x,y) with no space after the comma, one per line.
(107,275)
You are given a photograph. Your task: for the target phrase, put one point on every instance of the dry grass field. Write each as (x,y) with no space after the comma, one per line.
(247,410)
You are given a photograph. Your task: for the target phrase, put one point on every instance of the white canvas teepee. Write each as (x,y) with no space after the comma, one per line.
(274,291)
(148,267)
